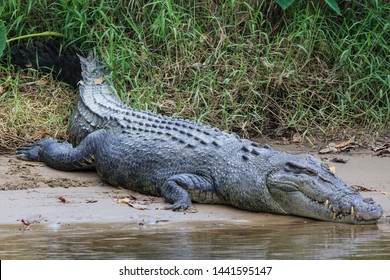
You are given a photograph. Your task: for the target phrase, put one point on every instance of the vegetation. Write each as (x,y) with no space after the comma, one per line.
(331,3)
(244,66)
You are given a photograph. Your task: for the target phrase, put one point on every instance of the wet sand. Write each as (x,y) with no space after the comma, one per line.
(32,193)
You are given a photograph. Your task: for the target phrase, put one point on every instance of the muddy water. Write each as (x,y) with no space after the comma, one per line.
(110,230)
(309,240)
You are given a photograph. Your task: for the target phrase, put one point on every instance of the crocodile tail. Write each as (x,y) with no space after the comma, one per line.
(92,71)
(63,63)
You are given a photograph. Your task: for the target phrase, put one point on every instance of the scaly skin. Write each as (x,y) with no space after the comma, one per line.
(187,162)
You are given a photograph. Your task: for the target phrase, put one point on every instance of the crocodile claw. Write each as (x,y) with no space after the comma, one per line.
(179,205)
(30,152)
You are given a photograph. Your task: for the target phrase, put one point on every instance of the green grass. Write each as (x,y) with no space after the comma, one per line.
(32,107)
(243,66)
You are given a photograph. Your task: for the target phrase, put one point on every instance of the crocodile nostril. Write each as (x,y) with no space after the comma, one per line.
(368,200)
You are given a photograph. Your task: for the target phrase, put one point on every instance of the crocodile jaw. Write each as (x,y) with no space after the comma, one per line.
(352,209)
(311,190)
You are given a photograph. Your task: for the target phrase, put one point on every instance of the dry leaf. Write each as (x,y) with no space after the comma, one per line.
(125,200)
(137,207)
(128,201)
(41,82)
(383,153)
(382,150)
(343,144)
(332,169)
(296,138)
(380,147)
(30,221)
(62,199)
(336,148)
(362,189)
(328,149)
(25,222)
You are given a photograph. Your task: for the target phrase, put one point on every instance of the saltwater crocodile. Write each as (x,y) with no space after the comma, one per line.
(184,161)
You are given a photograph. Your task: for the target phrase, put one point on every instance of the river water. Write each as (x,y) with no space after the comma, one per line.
(312,240)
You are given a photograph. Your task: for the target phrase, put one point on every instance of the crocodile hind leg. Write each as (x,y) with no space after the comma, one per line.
(63,156)
(181,189)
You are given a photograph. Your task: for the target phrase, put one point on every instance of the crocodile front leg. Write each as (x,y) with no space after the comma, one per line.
(183,188)
(63,156)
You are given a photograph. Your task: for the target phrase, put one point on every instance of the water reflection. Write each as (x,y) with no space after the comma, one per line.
(313,240)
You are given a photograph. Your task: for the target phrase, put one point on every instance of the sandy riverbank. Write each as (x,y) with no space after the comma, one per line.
(32,192)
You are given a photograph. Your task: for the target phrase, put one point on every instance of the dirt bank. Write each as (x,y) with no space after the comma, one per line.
(31,192)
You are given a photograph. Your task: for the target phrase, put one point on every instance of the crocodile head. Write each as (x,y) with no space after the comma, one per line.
(304,186)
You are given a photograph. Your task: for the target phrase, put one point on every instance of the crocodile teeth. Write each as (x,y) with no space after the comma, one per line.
(327,203)
(352,210)
(334,215)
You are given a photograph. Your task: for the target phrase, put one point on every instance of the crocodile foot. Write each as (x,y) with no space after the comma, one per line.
(31,152)
(179,205)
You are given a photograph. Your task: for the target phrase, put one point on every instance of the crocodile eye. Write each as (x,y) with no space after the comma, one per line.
(288,188)
(311,172)
(297,168)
